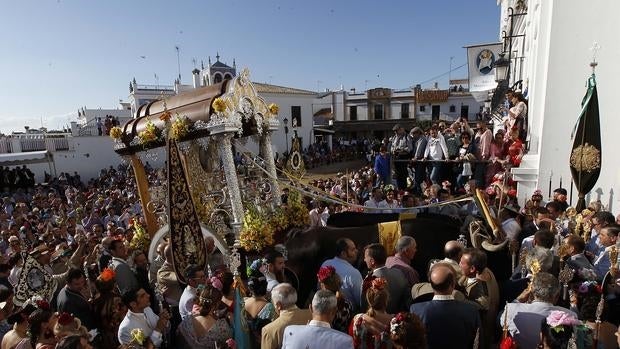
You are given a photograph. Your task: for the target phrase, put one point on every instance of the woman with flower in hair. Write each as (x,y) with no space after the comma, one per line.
(42,322)
(331,281)
(68,325)
(109,309)
(370,330)
(407,331)
(258,310)
(561,330)
(205,330)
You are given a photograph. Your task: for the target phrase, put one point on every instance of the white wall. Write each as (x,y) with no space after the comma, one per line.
(285,101)
(90,155)
(457,101)
(558,69)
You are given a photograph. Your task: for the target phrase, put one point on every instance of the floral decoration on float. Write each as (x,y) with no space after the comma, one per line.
(273,109)
(150,134)
(116,133)
(180,127)
(219,105)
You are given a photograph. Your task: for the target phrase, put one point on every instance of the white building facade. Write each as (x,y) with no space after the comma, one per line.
(551,52)
(373,113)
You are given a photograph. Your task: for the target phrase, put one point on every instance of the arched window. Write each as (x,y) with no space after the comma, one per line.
(217,78)
(227,76)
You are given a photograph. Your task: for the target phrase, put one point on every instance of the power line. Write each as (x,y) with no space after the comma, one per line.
(441,75)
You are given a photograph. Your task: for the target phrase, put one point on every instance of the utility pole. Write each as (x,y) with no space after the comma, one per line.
(178,62)
(450,71)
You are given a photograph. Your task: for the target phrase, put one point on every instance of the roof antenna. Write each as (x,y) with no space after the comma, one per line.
(178,62)
(595,48)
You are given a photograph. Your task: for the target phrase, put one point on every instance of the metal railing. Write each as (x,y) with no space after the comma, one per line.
(5,145)
(155,87)
(34,142)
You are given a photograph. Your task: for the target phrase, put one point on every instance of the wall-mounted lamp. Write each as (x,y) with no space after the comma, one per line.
(501,66)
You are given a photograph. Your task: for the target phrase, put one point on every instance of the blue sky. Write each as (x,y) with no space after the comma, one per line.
(59,55)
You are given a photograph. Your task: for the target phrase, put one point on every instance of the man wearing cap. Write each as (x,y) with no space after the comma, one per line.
(14,245)
(401,150)
(110,217)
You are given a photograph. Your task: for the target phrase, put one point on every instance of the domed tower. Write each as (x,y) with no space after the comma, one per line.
(218,71)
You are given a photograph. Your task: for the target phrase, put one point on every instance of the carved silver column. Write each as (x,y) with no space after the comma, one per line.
(270,163)
(225,148)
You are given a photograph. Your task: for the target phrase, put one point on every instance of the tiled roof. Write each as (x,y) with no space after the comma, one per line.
(219,64)
(267,88)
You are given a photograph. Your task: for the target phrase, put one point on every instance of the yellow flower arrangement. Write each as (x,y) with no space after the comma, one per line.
(273,109)
(278,219)
(219,105)
(116,132)
(179,128)
(141,240)
(256,232)
(296,212)
(149,134)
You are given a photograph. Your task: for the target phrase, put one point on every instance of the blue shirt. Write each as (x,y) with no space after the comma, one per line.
(602,263)
(351,279)
(594,245)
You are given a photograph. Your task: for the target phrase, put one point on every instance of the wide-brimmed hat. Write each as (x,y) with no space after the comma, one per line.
(40,251)
(416,130)
(19,313)
(513,208)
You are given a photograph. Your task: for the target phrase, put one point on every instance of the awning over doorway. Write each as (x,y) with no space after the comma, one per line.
(323,131)
(25,158)
(325,112)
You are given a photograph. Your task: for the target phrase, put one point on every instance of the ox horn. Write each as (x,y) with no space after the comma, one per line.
(491,247)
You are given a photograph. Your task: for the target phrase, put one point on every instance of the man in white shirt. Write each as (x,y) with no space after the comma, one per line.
(195,278)
(376,202)
(436,149)
(315,214)
(318,334)
(524,318)
(141,316)
(402,146)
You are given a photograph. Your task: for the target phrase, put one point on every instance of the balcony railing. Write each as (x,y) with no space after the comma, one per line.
(155,87)
(35,142)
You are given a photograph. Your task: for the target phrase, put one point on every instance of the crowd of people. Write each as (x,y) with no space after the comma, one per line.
(73,274)
(104,126)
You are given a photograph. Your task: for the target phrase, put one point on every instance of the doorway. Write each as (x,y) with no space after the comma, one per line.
(435,112)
